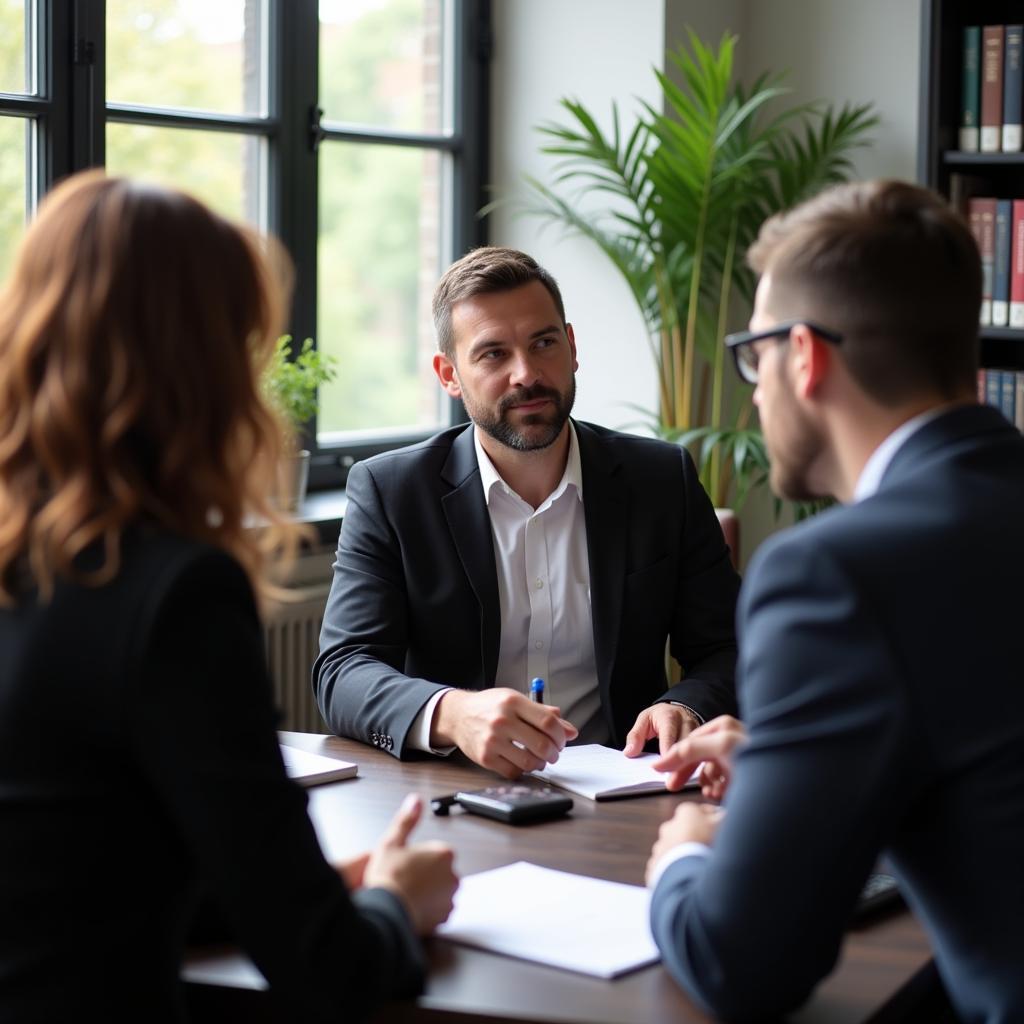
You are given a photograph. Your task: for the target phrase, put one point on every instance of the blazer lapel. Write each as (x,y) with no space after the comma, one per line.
(967,424)
(466,512)
(605,511)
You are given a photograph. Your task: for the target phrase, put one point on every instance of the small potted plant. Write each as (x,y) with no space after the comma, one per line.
(291,386)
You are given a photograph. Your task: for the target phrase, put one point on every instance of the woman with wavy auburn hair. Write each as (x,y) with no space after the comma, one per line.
(139,764)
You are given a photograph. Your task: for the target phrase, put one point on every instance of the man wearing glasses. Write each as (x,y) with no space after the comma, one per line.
(879,677)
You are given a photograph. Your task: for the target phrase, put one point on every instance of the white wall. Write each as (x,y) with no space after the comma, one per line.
(708,18)
(839,50)
(599,50)
(594,51)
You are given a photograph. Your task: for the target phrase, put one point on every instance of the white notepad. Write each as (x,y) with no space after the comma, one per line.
(604,773)
(309,769)
(552,917)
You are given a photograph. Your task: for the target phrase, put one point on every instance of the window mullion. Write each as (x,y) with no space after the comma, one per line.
(87,56)
(294,74)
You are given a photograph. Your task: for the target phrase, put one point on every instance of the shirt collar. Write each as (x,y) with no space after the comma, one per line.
(874,469)
(491,478)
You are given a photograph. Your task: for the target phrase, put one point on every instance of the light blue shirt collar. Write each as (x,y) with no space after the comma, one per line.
(874,469)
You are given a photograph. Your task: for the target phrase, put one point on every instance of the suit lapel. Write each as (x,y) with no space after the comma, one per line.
(605,511)
(466,512)
(965,424)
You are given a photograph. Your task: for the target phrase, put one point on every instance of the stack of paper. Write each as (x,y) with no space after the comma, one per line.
(308,769)
(555,918)
(603,773)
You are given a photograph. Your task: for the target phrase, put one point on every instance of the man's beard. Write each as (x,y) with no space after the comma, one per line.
(794,446)
(498,426)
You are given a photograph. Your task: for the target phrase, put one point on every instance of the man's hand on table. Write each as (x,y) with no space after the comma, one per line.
(692,823)
(500,729)
(668,722)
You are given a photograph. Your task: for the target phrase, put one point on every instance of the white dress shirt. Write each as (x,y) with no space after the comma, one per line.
(541,558)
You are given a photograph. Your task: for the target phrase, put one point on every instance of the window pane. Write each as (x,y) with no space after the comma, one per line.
(15,73)
(13,186)
(381,63)
(378,259)
(222,169)
(190,54)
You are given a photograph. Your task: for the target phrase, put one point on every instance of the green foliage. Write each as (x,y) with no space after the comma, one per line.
(291,383)
(687,191)
(376,206)
(379,205)
(12,132)
(157,55)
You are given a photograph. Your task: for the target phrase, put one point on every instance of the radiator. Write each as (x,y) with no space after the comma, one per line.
(291,634)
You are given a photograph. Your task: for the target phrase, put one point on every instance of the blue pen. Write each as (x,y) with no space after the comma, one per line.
(537,691)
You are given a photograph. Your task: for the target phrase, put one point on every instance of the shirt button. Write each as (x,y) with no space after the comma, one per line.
(538,583)
(539,645)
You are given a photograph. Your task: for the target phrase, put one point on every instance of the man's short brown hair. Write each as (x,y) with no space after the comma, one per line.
(484,271)
(892,268)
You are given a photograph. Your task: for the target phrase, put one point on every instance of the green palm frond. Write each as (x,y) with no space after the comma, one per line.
(688,188)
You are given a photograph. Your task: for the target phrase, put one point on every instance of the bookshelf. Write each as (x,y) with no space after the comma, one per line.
(940,160)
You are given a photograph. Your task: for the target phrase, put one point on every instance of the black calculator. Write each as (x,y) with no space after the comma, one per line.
(515,803)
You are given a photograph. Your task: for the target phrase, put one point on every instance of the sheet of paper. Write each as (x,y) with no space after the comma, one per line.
(309,769)
(563,920)
(595,771)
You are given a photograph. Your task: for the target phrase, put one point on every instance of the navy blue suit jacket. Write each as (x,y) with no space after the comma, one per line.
(880,680)
(414,602)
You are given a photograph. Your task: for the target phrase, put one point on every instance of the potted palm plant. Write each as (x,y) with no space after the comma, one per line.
(291,382)
(689,188)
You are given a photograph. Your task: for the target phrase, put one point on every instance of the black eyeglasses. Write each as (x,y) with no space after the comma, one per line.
(747,357)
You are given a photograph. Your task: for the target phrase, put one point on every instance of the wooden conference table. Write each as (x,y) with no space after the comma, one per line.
(606,840)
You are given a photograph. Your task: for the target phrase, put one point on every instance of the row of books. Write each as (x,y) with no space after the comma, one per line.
(993,89)
(998,228)
(1003,389)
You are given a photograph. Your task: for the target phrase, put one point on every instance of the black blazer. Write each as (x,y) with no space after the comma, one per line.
(880,679)
(139,764)
(414,602)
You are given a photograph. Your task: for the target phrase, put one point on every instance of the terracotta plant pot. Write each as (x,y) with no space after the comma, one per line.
(731,530)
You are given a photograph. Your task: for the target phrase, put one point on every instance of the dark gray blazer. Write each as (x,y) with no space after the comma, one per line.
(414,602)
(880,679)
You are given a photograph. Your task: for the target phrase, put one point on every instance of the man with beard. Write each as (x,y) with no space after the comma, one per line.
(879,674)
(523,545)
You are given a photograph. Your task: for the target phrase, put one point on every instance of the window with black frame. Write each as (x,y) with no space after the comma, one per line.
(19,108)
(352,129)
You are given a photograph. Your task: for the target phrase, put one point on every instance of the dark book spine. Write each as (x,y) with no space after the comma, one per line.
(981,386)
(1013,89)
(993,387)
(982,219)
(970,106)
(1018,419)
(1008,394)
(991,88)
(1001,264)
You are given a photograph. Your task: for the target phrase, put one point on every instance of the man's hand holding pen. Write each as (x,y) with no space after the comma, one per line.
(501,729)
